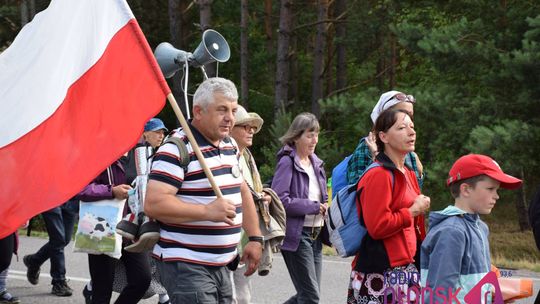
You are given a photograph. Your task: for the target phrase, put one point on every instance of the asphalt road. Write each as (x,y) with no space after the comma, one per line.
(274,288)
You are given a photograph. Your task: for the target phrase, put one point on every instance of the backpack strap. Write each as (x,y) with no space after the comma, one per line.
(182,149)
(373,165)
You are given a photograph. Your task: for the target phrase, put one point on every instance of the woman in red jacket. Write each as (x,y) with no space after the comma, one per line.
(390,198)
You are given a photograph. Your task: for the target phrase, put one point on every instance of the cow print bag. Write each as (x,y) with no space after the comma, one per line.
(96,229)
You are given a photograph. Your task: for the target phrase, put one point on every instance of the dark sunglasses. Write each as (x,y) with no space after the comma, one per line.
(400,97)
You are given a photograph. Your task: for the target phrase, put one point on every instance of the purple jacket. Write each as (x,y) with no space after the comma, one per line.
(100,188)
(291,184)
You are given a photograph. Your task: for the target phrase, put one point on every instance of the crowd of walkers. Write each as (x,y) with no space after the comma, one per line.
(210,241)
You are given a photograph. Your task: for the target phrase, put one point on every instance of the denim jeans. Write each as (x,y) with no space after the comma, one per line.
(304,267)
(59,222)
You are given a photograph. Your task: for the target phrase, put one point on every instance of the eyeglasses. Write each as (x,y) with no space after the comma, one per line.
(400,97)
(248,128)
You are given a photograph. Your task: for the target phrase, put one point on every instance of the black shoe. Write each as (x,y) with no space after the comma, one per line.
(61,289)
(87,294)
(6,298)
(32,273)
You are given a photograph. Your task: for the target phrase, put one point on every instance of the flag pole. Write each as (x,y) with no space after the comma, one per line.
(194,144)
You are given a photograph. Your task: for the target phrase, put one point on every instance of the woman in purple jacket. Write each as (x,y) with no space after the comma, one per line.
(300,182)
(111,183)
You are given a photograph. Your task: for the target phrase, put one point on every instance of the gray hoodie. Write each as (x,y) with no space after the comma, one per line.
(455,254)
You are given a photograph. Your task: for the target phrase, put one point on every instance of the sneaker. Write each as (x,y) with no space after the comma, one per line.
(87,294)
(61,289)
(32,273)
(147,238)
(128,227)
(7,298)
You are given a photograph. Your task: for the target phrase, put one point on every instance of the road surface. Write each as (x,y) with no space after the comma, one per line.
(274,288)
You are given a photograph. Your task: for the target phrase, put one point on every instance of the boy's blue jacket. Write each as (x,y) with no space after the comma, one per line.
(455,253)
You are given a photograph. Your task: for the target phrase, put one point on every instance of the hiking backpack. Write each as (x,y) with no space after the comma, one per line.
(345,228)
(340,172)
(339,176)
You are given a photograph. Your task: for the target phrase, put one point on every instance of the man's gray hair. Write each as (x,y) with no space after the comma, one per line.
(204,95)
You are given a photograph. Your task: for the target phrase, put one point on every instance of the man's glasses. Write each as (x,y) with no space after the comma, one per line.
(400,97)
(248,128)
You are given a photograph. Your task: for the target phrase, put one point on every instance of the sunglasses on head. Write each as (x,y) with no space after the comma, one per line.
(401,97)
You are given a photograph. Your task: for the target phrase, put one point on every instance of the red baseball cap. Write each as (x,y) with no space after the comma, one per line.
(475,164)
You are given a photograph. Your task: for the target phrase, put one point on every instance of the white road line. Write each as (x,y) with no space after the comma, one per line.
(21,275)
(324,261)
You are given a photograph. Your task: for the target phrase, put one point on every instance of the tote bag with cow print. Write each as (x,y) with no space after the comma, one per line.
(96,231)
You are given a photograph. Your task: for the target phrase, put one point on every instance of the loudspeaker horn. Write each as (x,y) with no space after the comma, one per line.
(170,59)
(213,47)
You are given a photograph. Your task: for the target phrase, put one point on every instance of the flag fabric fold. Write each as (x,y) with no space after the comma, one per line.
(76,87)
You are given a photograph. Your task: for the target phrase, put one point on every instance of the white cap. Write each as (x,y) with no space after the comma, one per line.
(384,103)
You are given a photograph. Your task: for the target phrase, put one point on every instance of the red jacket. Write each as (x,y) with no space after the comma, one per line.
(387,218)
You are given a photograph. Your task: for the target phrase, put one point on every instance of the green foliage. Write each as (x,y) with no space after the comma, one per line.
(473,66)
(344,119)
(272,144)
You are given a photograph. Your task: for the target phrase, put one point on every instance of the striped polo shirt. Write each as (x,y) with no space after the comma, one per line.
(201,242)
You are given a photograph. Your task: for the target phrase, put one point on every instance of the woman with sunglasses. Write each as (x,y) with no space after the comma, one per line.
(390,199)
(300,182)
(365,152)
(246,125)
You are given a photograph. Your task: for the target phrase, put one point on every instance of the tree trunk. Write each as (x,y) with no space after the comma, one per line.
(317,75)
(282,66)
(205,10)
(268,29)
(341,31)
(177,27)
(177,23)
(381,62)
(31,9)
(393,61)
(294,69)
(521,206)
(24,13)
(244,89)
(328,70)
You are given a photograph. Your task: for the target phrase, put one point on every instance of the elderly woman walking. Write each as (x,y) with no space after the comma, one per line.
(300,182)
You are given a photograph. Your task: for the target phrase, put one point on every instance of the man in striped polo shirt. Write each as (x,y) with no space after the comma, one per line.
(198,231)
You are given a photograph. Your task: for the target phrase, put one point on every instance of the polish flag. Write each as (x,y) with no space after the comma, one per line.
(76,88)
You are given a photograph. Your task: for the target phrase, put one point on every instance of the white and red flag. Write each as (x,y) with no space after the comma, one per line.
(76,87)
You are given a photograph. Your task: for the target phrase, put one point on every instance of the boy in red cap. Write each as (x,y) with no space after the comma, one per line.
(455,254)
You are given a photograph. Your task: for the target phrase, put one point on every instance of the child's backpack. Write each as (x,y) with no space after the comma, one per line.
(339,176)
(534,217)
(345,228)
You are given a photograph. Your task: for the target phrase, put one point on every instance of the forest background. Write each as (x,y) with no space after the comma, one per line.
(472,65)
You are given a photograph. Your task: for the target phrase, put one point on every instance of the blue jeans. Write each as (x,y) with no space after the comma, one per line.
(304,267)
(193,283)
(59,222)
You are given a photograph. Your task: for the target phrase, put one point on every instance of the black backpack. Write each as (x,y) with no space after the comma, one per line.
(534,217)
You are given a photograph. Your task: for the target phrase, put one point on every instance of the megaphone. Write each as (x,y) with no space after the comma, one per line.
(213,47)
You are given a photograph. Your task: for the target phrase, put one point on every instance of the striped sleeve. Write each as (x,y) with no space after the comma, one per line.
(166,166)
